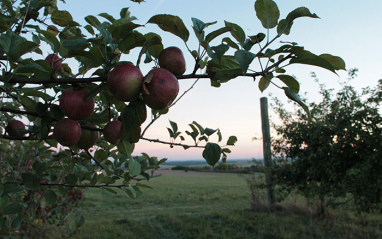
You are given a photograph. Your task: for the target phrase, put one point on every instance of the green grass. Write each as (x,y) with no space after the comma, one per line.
(207,207)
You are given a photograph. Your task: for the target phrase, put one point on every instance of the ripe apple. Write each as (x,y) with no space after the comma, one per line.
(160,88)
(125,82)
(15,128)
(67,132)
(113,131)
(172,59)
(88,138)
(75,105)
(54,61)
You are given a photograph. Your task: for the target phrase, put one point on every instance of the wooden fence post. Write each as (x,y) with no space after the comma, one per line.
(267,149)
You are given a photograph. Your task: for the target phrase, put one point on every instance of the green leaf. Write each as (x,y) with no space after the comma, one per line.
(220,136)
(100,155)
(74,44)
(267,12)
(12,209)
(61,18)
(211,153)
(15,46)
(216,33)
(244,58)
(199,25)
(132,117)
(50,39)
(291,82)
(172,24)
(134,39)
(209,131)
(10,188)
(336,61)
(265,81)
(71,179)
(107,16)
(155,49)
(154,40)
(236,31)
(201,129)
(4,201)
(295,97)
(257,38)
(30,180)
(80,221)
(174,126)
(216,52)
(125,148)
(134,167)
(50,197)
(228,69)
(230,43)
(232,140)
(286,24)
(309,58)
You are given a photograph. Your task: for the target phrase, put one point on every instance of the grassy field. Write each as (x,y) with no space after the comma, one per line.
(207,205)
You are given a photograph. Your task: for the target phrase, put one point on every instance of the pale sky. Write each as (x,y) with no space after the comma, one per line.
(346,28)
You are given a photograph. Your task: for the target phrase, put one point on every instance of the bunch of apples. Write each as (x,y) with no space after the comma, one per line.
(125,82)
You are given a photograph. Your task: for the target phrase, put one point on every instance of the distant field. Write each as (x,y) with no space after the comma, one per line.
(206,205)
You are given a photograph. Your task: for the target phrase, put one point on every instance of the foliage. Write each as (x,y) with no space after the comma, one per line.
(335,156)
(30,87)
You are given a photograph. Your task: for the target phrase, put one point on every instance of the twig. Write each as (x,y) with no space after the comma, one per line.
(171,143)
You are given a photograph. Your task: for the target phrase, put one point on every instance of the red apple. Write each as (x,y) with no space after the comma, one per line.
(160,88)
(172,59)
(54,61)
(112,131)
(67,132)
(15,128)
(75,105)
(125,82)
(88,138)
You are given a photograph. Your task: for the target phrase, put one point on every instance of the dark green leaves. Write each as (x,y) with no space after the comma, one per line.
(291,82)
(31,181)
(236,31)
(61,18)
(228,69)
(336,61)
(211,153)
(134,168)
(285,25)
(172,24)
(309,58)
(132,117)
(125,148)
(15,46)
(244,58)
(267,12)
(232,140)
(295,97)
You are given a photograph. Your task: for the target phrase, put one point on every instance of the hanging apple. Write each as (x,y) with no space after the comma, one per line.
(172,59)
(75,104)
(125,82)
(160,88)
(112,131)
(67,132)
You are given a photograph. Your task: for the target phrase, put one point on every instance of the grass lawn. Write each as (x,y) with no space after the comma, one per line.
(206,205)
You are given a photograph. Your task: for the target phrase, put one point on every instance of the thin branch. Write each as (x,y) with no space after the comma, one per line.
(171,144)
(91,156)
(156,118)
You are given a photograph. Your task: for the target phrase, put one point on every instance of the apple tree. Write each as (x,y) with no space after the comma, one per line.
(336,156)
(64,129)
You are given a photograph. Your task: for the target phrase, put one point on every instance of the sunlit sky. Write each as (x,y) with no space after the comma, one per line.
(346,28)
